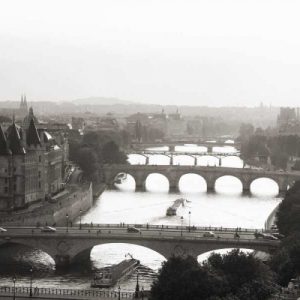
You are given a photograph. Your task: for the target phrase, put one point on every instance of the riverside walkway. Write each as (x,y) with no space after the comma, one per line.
(7,292)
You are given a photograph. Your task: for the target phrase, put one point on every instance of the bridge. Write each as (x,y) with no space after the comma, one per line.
(210,174)
(69,244)
(194,155)
(171,145)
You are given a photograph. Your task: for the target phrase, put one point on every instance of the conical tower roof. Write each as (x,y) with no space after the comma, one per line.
(32,137)
(4,150)
(14,140)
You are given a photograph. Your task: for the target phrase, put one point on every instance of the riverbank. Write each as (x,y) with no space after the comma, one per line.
(98,189)
(73,200)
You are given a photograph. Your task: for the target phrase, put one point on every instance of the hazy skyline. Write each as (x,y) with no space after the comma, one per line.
(162,52)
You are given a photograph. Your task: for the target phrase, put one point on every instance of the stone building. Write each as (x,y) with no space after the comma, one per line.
(31,165)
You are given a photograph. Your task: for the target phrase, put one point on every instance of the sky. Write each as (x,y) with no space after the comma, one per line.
(181,52)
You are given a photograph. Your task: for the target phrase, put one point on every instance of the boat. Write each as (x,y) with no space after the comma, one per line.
(109,276)
(120,178)
(172,210)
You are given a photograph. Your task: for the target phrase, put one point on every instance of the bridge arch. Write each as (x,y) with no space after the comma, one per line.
(130,179)
(192,182)
(28,245)
(264,186)
(158,182)
(137,158)
(117,250)
(231,184)
(190,159)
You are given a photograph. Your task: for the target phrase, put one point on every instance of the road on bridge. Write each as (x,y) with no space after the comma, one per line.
(144,231)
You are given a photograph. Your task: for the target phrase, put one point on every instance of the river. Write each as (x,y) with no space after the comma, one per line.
(227,207)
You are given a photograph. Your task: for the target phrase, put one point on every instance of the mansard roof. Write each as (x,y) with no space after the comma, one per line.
(4,150)
(32,137)
(14,140)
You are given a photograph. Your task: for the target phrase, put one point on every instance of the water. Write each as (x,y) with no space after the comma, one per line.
(227,207)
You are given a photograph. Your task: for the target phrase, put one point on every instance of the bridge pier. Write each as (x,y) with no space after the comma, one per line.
(140,188)
(62,261)
(171,148)
(209,149)
(210,183)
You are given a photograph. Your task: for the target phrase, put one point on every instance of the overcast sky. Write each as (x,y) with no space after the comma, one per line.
(213,52)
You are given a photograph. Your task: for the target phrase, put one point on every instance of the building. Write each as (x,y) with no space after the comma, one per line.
(31,166)
(288,121)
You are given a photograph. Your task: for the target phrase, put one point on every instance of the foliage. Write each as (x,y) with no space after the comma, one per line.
(286,262)
(232,276)
(94,149)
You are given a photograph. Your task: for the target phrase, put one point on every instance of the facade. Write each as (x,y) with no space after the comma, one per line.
(31,166)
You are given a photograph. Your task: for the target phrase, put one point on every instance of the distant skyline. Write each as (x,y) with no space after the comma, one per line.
(176,52)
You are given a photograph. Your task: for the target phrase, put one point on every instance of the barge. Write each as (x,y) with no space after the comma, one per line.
(108,277)
(172,210)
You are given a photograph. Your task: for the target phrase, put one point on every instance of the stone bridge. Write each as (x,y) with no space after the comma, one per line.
(171,145)
(210,174)
(68,245)
(194,155)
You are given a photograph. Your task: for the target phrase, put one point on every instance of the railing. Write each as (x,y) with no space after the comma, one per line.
(170,227)
(66,292)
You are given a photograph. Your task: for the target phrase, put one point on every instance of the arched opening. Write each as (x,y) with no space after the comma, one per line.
(229,142)
(159,159)
(207,160)
(162,148)
(264,187)
(124,182)
(225,149)
(106,255)
(228,185)
(192,148)
(192,183)
(232,162)
(204,256)
(156,182)
(136,159)
(19,258)
(183,160)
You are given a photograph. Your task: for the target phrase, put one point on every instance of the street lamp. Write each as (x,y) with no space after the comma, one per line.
(119,293)
(181,219)
(67,218)
(14,281)
(80,212)
(189,221)
(142,293)
(137,287)
(30,289)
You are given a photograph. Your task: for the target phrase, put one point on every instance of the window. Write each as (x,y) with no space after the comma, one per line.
(5,180)
(15,187)
(6,190)
(40,158)
(40,185)
(40,174)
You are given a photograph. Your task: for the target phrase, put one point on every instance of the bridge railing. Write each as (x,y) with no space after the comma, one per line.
(170,227)
(57,293)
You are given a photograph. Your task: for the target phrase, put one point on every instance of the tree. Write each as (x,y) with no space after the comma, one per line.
(232,276)
(183,278)
(112,155)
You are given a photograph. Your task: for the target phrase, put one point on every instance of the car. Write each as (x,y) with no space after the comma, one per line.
(2,229)
(269,236)
(133,229)
(208,234)
(278,235)
(48,229)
